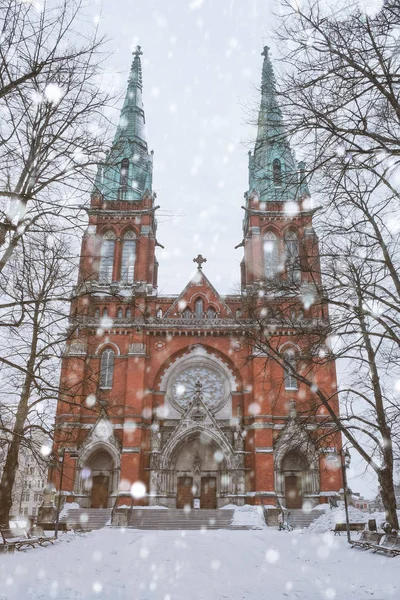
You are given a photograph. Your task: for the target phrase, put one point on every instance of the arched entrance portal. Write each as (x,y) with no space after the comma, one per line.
(294,470)
(198,463)
(101,467)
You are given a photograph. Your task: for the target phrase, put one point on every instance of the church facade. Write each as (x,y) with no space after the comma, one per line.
(171,391)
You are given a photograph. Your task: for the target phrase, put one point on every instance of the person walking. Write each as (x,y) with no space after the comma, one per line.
(280,521)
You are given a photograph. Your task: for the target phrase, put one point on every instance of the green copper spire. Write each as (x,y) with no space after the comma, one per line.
(272,168)
(127,172)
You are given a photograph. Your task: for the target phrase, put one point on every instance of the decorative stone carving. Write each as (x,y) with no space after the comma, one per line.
(103,430)
(238,434)
(155,434)
(197,420)
(77,348)
(197,464)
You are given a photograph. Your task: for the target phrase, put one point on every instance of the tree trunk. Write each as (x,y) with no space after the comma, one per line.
(11,464)
(385,477)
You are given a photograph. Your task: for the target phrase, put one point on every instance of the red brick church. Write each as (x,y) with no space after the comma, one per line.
(169,390)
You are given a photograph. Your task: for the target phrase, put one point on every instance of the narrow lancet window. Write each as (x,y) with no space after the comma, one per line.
(271,255)
(107,369)
(289,370)
(277,171)
(128,258)
(292,257)
(123,176)
(199,308)
(107,258)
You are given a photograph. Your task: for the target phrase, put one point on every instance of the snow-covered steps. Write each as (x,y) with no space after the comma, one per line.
(87,518)
(174,518)
(300,518)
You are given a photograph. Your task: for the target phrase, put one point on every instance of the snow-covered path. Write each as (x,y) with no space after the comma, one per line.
(213,565)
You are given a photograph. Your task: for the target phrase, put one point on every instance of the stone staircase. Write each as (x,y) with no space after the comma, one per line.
(300,518)
(87,518)
(174,518)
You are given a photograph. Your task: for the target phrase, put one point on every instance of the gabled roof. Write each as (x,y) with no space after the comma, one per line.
(199,286)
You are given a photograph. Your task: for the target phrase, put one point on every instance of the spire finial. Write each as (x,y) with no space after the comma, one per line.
(199,260)
(265,51)
(137,51)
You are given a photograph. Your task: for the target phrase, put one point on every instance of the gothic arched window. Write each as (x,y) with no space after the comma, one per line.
(107,257)
(107,369)
(289,370)
(119,313)
(128,258)
(123,174)
(277,172)
(271,255)
(199,308)
(97,313)
(128,313)
(211,313)
(105,312)
(292,257)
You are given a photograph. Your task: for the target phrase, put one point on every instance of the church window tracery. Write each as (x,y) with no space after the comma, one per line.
(184,387)
(107,369)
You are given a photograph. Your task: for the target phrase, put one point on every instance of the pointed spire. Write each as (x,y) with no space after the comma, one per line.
(271,165)
(127,173)
(270,125)
(132,119)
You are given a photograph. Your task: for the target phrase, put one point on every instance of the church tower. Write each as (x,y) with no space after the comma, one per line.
(277,210)
(118,250)
(168,392)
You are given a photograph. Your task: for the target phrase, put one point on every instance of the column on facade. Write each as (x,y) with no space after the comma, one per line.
(116,276)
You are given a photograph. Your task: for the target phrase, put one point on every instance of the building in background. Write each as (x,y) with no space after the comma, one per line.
(29,484)
(169,390)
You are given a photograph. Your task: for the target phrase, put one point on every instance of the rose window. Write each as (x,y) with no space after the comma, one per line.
(184,387)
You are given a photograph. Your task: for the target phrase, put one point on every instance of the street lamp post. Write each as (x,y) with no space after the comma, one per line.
(345,459)
(61,459)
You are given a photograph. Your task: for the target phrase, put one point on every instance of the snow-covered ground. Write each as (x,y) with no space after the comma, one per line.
(113,564)
(251,516)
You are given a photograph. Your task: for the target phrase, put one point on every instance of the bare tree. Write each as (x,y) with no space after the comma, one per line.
(52,130)
(30,352)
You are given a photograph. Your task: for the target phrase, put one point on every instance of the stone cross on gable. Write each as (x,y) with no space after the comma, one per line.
(199,260)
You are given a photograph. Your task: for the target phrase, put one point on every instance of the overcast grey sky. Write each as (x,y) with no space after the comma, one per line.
(201,68)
